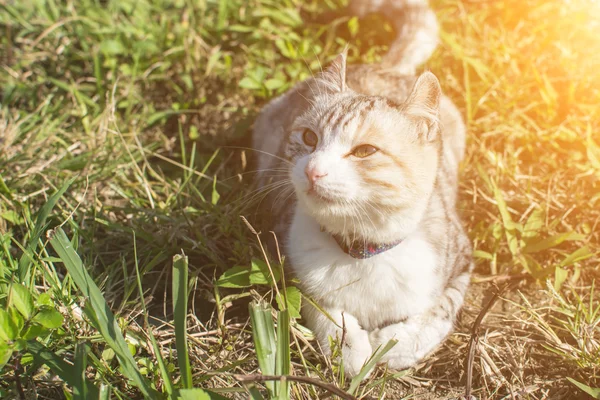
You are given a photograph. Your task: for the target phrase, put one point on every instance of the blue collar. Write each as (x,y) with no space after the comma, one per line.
(361,249)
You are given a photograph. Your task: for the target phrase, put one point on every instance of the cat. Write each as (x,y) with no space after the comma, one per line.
(371,230)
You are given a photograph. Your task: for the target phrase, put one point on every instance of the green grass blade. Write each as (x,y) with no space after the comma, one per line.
(283,356)
(161,365)
(199,394)
(105,392)
(222,14)
(79,388)
(180,302)
(370,365)
(68,373)
(40,225)
(263,333)
(99,312)
(254,393)
(593,392)
(157,352)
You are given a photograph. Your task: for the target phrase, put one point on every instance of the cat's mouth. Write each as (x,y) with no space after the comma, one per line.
(318,195)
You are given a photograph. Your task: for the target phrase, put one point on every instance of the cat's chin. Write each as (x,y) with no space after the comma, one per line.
(320,198)
(323,208)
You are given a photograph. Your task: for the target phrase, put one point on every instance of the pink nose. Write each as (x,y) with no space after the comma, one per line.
(313,174)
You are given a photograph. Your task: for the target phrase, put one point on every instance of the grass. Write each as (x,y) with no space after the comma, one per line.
(124,128)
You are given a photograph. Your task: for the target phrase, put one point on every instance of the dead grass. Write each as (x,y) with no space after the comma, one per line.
(154,134)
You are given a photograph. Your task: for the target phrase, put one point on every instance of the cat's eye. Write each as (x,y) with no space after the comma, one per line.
(364,150)
(310,138)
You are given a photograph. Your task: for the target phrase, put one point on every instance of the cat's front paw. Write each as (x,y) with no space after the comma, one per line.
(404,354)
(355,356)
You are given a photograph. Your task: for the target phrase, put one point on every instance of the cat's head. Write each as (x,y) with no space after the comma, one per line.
(364,165)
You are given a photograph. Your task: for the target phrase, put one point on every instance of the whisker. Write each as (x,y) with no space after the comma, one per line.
(281,172)
(280,187)
(252,195)
(280,196)
(261,151)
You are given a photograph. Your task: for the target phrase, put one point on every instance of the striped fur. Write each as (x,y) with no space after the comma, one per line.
(406,191)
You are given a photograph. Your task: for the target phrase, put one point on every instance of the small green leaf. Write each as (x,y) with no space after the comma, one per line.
(11,216)
(294,301)
(49,318)
(484,255)
(33,331)
(560,276)
(552,241)
(132,349)
(20,345)
(260,274)
(215,195)
(236,277)
(577,255)
(22,300)
(507,222)
(193,133)
(353,26)
(44,299)
(8,329)
(241,28)
(534,224)
(5,353)
(249,83)
(273,84)
(75,163)
(17,318)
(112,47)
(108,354)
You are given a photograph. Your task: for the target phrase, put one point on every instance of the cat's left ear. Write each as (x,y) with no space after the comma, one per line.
(424,104)
(334,76)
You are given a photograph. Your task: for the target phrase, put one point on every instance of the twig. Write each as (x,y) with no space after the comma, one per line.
(257,234)
(303,379)
(474,340)
(18,378)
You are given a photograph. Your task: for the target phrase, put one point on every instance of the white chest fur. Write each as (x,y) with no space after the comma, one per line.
(385,288)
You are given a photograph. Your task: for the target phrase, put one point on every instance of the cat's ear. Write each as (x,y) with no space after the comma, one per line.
(424,104)
(334,77)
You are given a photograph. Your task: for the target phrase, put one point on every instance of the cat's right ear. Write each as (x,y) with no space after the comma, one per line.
(334,77)
(424,103)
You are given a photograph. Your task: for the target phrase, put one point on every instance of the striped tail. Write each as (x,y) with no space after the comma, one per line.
(416,31)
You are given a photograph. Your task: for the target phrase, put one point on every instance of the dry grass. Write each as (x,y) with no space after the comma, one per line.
(150,117)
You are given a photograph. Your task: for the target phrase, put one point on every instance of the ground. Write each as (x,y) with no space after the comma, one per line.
(147,107)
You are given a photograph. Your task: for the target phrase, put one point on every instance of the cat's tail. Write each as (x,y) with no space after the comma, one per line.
(416,31)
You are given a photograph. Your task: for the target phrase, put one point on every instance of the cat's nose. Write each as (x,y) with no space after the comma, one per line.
(313,174)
